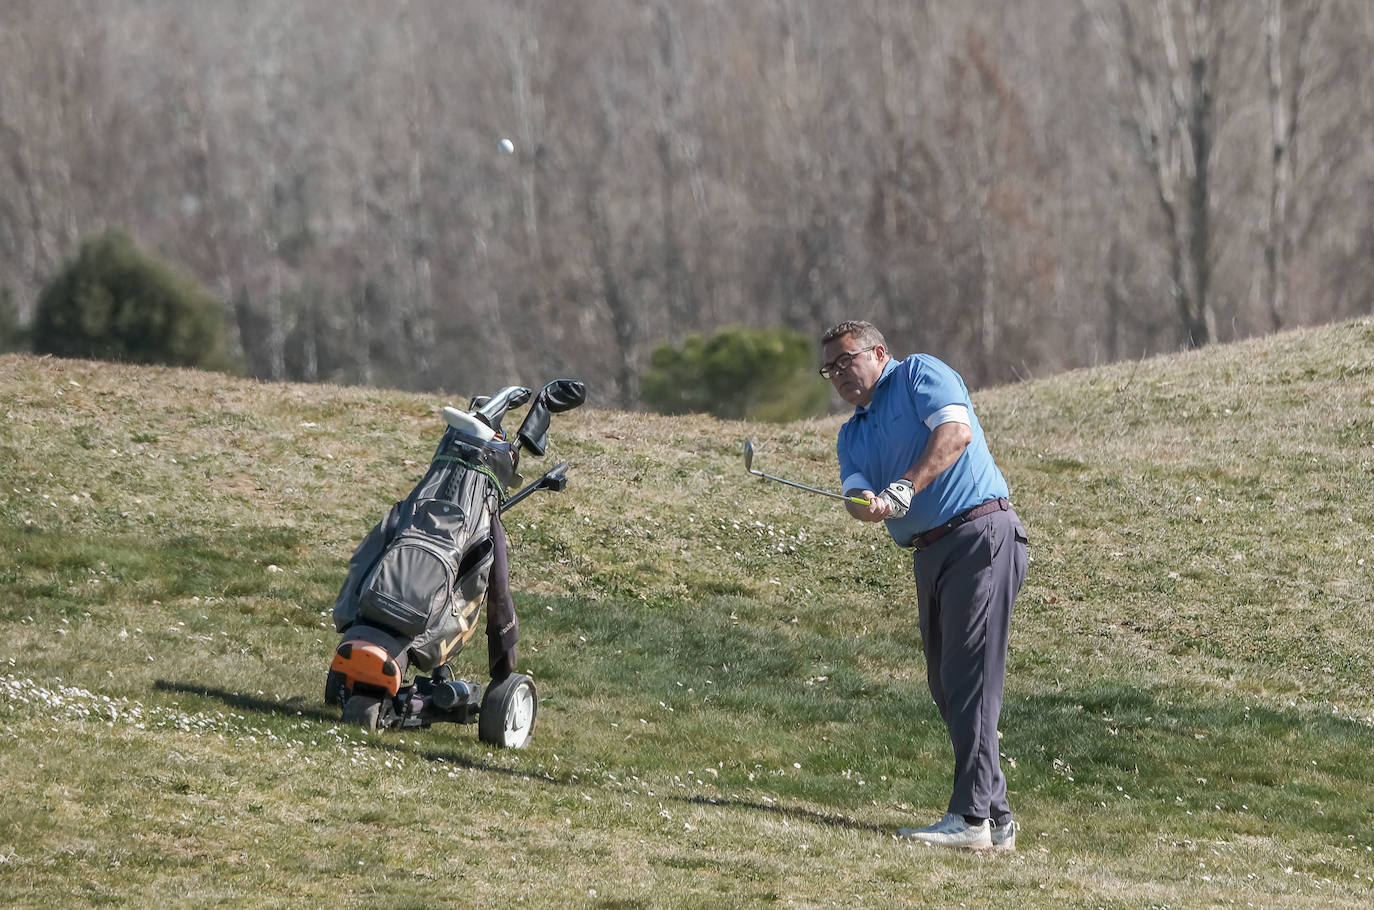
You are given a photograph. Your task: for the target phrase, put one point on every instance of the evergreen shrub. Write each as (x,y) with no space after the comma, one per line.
(737,374)
(115,302)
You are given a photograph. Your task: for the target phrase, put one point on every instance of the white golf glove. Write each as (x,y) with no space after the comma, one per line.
(898,495)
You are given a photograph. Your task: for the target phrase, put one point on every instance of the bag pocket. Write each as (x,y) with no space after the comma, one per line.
(413,582)
(410,585)
(475,570)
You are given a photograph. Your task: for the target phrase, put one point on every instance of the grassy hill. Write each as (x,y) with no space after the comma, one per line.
(733,709)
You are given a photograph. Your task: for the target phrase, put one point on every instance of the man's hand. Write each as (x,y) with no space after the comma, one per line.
(876,510)
(898,496)
(890,503)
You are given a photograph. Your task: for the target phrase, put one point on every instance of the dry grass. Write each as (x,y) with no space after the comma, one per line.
(733,710)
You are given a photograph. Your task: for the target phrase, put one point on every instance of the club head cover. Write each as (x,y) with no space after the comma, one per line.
(563,395)
(556,397)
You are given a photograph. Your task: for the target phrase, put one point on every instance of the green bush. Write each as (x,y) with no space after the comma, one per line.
(114,302)
(737,373)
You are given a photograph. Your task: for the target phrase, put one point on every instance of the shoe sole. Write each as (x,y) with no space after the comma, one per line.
(910,834)
(994,847)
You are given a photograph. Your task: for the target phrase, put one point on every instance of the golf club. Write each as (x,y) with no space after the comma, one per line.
(749,466)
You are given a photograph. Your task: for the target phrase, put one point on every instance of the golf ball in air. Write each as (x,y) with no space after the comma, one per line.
(507,146)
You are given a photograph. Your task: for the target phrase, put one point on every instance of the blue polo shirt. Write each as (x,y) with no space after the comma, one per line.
(884,439)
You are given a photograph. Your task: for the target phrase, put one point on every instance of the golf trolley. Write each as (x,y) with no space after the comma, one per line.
(416,584)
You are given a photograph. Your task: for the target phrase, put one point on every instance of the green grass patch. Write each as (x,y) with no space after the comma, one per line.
(733,704)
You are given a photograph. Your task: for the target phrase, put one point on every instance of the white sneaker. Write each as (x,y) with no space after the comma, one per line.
(1004,837)
(953,832)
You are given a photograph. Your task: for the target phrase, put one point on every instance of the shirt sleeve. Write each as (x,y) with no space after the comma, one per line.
(855,481)
(934,386)
(950,413)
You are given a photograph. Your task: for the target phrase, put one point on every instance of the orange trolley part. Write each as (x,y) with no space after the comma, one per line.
(364,662)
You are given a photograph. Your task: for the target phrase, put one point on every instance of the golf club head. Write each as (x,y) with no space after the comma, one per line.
(749,455)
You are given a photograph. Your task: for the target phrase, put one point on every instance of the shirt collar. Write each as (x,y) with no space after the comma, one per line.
(882,380)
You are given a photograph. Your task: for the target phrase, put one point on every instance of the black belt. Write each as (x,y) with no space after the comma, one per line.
(926,538)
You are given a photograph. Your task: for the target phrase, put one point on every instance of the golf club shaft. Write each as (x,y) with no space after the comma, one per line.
(801,486)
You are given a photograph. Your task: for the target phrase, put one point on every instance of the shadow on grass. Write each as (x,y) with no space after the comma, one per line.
(1170,748)
(287,710)
(293,710)
(793,813)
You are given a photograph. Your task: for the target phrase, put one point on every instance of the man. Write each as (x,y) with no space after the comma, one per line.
(913,448)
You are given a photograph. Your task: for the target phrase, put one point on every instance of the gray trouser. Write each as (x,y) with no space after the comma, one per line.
(966,583)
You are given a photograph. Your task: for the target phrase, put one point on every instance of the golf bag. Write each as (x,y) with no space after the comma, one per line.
(415,586)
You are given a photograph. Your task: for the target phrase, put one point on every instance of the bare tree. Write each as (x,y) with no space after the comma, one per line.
(1288,74)
(415,232)
(1172,69)
(996,175)
(961,173)
(53,107)
(668,85)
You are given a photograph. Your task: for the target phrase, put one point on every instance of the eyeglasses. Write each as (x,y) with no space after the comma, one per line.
(841,363)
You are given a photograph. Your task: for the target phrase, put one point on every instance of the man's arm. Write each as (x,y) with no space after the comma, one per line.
(943,449)
(946,443)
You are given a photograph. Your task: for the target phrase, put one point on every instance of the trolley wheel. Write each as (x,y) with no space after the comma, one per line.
(365,711)
(335,688)
(508,712)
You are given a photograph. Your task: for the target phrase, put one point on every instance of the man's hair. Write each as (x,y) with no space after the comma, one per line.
(865,333)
